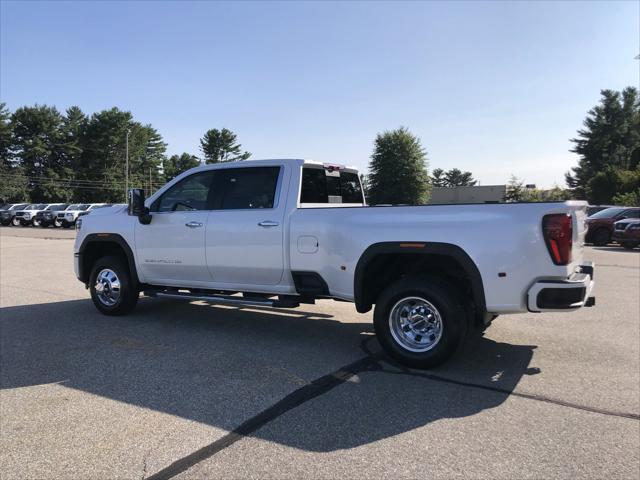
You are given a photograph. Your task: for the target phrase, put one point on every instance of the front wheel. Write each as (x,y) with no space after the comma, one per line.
(36,223)
(629,245)
(420,321)
(15,222)
(112,290)
(57,223)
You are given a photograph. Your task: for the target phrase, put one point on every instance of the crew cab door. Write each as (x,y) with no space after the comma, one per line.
(171,249)
(245,233)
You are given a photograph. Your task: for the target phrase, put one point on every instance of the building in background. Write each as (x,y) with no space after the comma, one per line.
(475,194)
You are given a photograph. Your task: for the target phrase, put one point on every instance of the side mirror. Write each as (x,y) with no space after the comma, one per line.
(136,202)
(136,206)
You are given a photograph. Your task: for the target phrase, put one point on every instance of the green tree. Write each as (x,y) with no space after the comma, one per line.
(610,140)
(437,178)
(452,178)
(176,164)
(610,183)
(14,186)
(221,146)
(37,141)
(101,176)
(398,169)
(629,199)
(458,178)
(515,191)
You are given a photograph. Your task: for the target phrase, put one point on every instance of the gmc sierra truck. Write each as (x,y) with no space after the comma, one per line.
(284,232)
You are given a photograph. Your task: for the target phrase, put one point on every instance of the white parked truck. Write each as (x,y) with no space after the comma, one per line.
(284,232)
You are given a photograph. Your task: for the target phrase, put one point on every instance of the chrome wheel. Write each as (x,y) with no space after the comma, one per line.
(57,223)
(107,287)
(415,324)
(15,221)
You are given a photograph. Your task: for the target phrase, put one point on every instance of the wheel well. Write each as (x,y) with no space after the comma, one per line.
(93,249)
(384,264)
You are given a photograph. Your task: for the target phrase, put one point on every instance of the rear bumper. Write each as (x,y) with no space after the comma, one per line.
(563,295)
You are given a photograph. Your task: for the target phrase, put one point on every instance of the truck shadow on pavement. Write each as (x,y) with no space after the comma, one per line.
(223,366)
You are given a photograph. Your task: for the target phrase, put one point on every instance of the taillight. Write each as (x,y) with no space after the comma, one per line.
(558,234)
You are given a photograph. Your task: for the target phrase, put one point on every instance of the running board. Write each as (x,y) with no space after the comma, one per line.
(225,299)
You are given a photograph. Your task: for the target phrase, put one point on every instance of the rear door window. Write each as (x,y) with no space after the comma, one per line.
(249,187)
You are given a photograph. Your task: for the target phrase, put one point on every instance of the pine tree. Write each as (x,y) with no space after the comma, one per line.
(221,146)
(176,164)
(515,191)
(609,141)
(13,187)
(398,169)
(37,138)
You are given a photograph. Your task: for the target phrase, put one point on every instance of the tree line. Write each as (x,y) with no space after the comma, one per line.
(49,156)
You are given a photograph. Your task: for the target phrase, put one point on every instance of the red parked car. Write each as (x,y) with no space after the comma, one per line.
(601,223)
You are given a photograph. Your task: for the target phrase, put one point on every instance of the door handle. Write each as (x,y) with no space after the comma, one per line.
(193,224)
(268,223)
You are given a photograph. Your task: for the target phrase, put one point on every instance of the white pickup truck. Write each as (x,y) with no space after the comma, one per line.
(284,232)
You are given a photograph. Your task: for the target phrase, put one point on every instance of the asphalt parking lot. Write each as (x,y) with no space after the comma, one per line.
(189,390)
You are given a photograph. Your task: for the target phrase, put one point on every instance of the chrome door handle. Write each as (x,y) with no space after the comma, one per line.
(268,223)
(193,224)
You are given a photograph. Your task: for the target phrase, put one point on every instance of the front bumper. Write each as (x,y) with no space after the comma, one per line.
(563,295)
(623,236)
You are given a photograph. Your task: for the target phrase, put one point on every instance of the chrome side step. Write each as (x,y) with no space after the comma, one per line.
(224,299)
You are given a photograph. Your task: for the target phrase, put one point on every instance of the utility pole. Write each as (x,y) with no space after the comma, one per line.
(126,169)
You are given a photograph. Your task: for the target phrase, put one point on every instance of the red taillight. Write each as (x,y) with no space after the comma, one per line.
(558,234)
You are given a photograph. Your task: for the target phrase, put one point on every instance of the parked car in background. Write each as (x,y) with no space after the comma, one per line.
(68,217)
(23,217)
(591,209)
(8,211)
(601,223)
(50,217)
(627,233)
(40,220)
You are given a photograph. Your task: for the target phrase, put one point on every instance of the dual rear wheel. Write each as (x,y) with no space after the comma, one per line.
(420,320)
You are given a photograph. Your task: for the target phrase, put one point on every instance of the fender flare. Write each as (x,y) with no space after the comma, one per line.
(426,248)
(93,238)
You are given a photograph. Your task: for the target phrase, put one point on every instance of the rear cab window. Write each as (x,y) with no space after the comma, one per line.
(330,185)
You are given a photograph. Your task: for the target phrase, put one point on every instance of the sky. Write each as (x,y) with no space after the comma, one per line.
(496,88)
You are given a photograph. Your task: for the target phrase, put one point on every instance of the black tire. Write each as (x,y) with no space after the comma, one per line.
(601,237)
(5,223)
(128,296)
(441,295)
(629,245)
(65,224)
(44,225)
(15,222)
(57,224)
(36,223)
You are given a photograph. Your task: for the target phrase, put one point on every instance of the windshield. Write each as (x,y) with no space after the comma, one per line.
(56,207)
(18,207)
(78,206)
(99,206)
(608,213)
